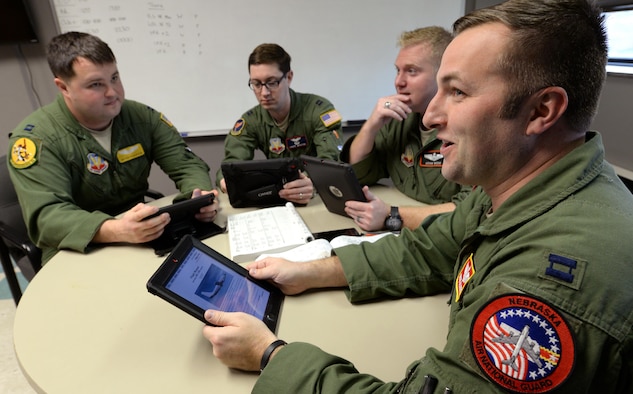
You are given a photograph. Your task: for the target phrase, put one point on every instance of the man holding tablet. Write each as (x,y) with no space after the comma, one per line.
(284,124)
(85,158)
(534,258)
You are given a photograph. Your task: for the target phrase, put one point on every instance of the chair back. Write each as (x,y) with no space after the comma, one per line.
(10,212)
(13,229)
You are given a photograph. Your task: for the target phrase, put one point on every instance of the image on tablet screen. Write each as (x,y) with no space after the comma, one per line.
(209,284)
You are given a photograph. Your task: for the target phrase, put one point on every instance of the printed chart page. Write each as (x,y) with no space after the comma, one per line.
(267,230)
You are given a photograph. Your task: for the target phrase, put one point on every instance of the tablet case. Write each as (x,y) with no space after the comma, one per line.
(183,222)
(212,277)
(256,183)
(335,182)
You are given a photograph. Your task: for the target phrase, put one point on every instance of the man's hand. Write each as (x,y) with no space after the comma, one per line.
(294,278)
(299,191)
(287,275)
(370,215)
(239,340)
(209,212)
(397,108)
(391,107)
(131,228)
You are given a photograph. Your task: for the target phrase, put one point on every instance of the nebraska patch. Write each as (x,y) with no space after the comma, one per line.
(522,344)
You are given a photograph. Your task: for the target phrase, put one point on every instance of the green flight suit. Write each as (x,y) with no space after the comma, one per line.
(69,184)
(562,238)
(314,129)
(414,169)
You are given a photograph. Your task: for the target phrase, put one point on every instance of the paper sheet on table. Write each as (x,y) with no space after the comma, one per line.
(321,248)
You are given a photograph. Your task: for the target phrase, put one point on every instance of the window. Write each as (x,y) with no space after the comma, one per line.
(618,23)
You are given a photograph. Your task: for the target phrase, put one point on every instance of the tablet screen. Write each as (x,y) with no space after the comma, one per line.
(207,283)
(195,277)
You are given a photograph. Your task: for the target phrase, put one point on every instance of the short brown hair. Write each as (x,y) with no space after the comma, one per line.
(64,49)
(270,54)
(554,43)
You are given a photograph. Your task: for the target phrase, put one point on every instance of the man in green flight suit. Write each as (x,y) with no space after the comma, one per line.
(393,143)
(535,258)
(86,157)
(285,123)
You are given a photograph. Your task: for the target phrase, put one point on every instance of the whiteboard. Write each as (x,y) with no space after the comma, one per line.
(188,58)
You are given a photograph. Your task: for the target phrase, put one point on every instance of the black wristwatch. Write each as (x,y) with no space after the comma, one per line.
(393,221)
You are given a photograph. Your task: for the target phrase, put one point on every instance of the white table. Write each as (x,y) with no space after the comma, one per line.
(86,324)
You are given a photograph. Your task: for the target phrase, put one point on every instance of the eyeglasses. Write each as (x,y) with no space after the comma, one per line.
(270,85)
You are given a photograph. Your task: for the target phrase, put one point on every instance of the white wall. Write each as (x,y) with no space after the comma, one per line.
(614,118)
(188,58)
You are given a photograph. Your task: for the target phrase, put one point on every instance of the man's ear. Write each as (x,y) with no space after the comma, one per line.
(289,76)
(548,106)
(61,85)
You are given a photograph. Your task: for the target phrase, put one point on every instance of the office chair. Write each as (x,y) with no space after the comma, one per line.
(15,245)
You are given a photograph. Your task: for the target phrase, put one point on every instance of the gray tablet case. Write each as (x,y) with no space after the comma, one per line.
(335,182)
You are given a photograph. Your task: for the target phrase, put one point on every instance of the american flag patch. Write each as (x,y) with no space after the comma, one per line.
(331,117)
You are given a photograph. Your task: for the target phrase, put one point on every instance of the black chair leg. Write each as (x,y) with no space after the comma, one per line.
(9,273)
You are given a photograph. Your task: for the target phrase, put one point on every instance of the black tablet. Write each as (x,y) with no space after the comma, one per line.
(183,222)
(330,235)
(186,208)
(194,277)
(335,182)
(256,183)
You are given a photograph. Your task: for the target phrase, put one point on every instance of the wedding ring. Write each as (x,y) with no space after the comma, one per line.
(387,104)
(300,195)
(358,219)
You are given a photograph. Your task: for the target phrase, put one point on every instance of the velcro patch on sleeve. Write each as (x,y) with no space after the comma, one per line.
(238,127)
(522,344)
(23,153)
(331,117)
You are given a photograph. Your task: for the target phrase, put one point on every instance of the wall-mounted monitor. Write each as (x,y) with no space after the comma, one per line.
(16,24)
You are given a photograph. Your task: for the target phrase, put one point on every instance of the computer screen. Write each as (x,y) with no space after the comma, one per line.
(16,25)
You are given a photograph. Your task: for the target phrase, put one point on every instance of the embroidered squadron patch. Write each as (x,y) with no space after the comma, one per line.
(297,142)
(96,164)
(238,126)
(432,158)
(407,156)
(276,146)
(129,153)
(522,344)
(331,117)
(23,153)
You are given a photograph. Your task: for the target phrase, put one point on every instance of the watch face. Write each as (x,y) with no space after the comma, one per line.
(393,224)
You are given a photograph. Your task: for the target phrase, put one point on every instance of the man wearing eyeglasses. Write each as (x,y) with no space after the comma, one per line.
(285,123)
